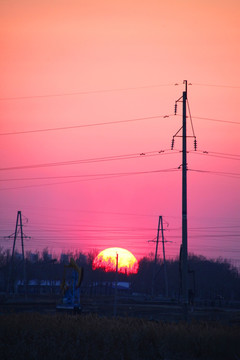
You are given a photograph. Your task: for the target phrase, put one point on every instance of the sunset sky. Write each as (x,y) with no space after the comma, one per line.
(71,63)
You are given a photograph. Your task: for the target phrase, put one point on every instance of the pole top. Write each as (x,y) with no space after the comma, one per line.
(185,82)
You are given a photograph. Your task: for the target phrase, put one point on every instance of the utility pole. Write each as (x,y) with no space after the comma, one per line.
(115,290)
(184,206)
(160,227)
(23,236)
(184,246)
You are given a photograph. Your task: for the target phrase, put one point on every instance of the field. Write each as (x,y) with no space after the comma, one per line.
(91,337)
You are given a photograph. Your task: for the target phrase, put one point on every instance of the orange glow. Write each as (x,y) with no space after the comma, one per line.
(106,259)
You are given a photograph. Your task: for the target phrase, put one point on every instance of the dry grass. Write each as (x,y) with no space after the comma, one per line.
(87,337)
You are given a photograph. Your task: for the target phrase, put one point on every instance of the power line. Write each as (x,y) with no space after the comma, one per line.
(84,125)
(215,227)
(92,160)
(98,228)
(98,212)
(214,85)
(109,123)
(217,155)
(91,179)
(82,92)
(217,120)
(88,175)
(235,175)
(115,213)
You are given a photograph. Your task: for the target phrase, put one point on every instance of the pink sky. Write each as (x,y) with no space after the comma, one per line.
(64,47)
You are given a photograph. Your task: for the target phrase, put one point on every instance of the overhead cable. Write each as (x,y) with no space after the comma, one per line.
(82,92)
(84,125)
(91,179)
(92,160)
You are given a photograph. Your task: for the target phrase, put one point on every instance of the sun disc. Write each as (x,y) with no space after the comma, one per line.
(107,259)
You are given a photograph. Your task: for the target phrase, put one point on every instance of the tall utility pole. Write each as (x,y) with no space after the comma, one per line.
(160,227)
(184,246)
(14,235)
(184,205)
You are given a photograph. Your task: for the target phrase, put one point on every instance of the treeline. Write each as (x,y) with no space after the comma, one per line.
(207,278)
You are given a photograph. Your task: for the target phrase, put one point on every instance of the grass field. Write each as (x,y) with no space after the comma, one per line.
(83,337)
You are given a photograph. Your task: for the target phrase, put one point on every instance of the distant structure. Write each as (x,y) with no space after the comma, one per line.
(18,229)
(160,227)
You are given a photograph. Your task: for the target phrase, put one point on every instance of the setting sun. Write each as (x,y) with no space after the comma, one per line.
(106,259)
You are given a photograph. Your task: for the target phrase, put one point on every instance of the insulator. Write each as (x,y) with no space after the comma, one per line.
(172,144)
(195,145)
(175,109)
